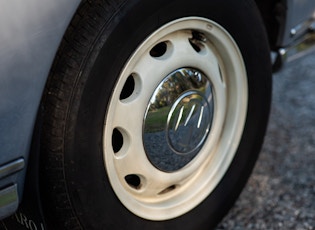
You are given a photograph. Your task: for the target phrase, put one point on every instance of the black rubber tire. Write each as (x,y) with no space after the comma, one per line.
(102,36)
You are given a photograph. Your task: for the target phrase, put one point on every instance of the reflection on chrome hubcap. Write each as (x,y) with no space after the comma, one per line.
(178,119)
(188,123)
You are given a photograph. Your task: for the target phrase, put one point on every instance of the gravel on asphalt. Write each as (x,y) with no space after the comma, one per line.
(281,191)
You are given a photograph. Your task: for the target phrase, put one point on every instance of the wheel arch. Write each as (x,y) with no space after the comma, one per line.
(273,14)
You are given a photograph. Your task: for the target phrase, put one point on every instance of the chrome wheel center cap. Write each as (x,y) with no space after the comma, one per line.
(178,119)
(188,123)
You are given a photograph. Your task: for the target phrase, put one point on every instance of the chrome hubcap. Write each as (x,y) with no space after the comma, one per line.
(178,119)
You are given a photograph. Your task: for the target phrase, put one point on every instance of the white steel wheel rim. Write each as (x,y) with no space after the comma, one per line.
(152,193)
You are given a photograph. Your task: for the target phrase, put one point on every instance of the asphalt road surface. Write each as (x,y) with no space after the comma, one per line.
(281,191)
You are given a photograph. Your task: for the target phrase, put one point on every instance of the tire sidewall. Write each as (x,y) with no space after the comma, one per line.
(89,189)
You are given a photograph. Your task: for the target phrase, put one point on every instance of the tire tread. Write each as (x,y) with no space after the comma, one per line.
(57,100)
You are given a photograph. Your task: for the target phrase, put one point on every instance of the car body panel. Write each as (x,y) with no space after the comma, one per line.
(31,31)
(300,15)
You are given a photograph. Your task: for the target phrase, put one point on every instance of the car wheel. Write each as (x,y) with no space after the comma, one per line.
(154,114)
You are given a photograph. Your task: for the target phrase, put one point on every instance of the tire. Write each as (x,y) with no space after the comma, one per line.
(154,114)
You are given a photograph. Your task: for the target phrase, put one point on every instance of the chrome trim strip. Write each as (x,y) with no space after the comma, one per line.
(300,48)
(301,28)
(11,167)
(9,201)
(305,46)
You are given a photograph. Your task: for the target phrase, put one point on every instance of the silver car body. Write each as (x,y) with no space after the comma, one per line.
(31,31)
(30,34)
(300,16)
